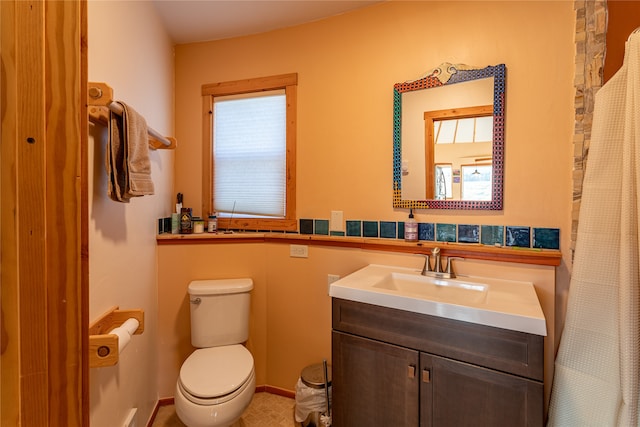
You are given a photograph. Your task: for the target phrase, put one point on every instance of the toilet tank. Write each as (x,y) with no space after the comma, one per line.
(219,311)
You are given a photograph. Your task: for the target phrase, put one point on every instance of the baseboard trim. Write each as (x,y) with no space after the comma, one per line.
(279,391)
(259,389)
(165,401)
(161,402)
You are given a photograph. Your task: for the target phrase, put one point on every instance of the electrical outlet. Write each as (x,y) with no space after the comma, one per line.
(336,223)
(299,251)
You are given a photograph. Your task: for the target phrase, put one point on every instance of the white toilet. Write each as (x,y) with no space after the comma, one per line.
(217,381)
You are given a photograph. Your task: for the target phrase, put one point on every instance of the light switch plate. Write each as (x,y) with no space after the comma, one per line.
(336,223)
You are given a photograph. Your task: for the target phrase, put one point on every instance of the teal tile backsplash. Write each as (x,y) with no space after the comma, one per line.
(446,232)
(468,233)
(426,231)
(354,228)
(518,236)
(492,235)
(306,226)
(321,226)
(388,230)
(546,238)
(369,228)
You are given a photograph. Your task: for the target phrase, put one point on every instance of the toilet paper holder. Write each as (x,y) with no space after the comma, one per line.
(103,345)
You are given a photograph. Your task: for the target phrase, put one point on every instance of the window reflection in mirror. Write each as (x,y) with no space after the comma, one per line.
(476,182)
(458,137)
(449,88)
(461,131)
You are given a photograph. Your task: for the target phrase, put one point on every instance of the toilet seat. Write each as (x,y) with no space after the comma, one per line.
(214,375)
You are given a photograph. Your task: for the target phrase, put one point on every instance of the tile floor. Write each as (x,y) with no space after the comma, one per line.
(265,410)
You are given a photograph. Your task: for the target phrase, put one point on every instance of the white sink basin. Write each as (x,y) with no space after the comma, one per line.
(504,304)
(433,289)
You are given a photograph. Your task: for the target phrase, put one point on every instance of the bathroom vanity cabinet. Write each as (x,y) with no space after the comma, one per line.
(397,368)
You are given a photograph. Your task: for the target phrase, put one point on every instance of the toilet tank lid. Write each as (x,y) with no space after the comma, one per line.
(220,286)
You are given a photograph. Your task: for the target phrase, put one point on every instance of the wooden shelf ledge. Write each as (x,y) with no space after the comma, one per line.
(467,250)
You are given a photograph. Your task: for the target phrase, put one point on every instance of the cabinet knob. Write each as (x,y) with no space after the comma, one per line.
(411,371)
(426,376)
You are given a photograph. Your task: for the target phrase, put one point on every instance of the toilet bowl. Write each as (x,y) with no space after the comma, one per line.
(215,386)
(217,381)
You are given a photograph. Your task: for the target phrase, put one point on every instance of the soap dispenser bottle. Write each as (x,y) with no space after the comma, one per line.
(411,228)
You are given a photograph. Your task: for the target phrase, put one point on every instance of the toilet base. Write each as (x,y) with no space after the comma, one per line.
(218,415)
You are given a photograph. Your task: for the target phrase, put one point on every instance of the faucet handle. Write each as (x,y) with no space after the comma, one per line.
(427,264)
(449,269)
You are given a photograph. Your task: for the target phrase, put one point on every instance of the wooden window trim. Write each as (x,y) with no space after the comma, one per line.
(429,152)
(289,83)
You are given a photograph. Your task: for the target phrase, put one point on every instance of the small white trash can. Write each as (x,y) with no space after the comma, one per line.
(311,400)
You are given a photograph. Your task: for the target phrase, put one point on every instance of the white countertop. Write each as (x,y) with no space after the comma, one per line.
(494,302)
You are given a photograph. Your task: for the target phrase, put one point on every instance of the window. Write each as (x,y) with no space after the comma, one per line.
(464,130)
(453,136)
(476,182)
(249,161)
(249,154)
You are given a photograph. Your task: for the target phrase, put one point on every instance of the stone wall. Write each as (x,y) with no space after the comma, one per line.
(591,28)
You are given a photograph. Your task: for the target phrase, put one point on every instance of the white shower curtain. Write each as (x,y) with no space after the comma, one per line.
(597,377)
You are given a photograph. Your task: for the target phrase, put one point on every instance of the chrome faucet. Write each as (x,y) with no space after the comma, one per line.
(436,270)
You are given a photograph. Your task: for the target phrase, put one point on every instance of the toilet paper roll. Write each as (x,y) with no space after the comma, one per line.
(124,332)
(123,338)
(130,325)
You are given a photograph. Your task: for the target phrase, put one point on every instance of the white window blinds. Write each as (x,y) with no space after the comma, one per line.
(249,150)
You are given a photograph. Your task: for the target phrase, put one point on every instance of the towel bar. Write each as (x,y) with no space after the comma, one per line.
(100,98)
(103,346)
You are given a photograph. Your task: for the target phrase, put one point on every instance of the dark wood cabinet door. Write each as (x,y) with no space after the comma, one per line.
(374,384)
(459,394)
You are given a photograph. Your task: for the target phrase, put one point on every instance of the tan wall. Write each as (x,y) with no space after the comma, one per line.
(347,66)
(130,51)
(177,267)
(291,309)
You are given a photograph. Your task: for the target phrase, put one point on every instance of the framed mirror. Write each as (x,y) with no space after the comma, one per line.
(448,139)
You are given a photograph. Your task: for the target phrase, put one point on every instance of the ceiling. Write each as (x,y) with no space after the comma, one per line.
(189,21)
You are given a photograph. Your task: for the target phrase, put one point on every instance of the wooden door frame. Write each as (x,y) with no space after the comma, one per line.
(44,213)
